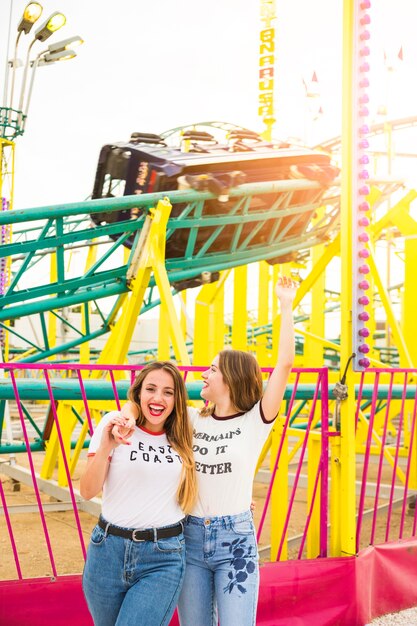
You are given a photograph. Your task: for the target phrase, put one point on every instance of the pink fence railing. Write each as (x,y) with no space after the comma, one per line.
(306,412)
(54,378)
(386,455)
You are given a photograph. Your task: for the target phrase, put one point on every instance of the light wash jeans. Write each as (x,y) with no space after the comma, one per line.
(222,574)
(128,583)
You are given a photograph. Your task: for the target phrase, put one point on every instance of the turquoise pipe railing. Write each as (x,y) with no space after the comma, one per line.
(18,216)
(68,389)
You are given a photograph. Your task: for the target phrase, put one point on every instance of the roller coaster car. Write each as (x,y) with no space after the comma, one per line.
(147,163)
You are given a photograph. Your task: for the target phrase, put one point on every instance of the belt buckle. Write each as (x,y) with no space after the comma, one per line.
(134,536)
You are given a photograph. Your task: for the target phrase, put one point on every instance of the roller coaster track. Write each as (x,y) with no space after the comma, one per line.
(285,224)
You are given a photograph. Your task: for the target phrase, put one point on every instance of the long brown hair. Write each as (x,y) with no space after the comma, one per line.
(243,376)
(177,428)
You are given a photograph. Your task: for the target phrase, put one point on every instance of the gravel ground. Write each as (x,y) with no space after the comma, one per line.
(403,618)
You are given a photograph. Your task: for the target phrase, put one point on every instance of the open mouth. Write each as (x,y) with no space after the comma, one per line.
(156,411)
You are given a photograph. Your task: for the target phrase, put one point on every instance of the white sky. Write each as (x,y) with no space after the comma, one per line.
(161,64)
(156,65)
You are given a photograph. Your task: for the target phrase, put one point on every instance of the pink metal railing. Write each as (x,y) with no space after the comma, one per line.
(400,389)
(321,389)
(45,370)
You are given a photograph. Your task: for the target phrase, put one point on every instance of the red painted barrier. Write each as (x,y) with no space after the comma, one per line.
(40,601)
(344,591)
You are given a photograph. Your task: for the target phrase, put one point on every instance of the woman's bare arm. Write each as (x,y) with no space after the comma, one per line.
(285,290)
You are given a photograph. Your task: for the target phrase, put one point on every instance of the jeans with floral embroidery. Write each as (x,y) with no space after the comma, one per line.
(222,573)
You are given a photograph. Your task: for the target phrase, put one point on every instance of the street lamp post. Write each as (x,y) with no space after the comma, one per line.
(53,23)
(12,119)
(30,15)
(59,51)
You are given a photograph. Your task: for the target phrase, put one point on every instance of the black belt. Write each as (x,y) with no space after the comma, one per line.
(150,534)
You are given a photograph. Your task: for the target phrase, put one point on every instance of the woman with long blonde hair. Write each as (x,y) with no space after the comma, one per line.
(222,573)
(136,558)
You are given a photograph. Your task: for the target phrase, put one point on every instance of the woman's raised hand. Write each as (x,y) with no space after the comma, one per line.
(286,289)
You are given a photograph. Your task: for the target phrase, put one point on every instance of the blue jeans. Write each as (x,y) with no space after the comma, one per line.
(128,583)
(222,574)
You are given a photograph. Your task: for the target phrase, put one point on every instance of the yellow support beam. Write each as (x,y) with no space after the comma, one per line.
(52,319)
(149,257)
(335,476)
(313,461)
(398,216)
(279,492)
(263,312)
(276,318)
(209,321)
(315,325)
(330,251)
(7,165)
(325,343)
(85,308)
(183,314)
(347,497)
(397,334)
(163,333)
(240,309)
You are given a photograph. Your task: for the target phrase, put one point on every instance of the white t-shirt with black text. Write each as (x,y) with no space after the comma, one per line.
(226,450)
(142,481)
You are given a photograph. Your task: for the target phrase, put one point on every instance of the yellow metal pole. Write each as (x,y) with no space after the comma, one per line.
(86,308)
(276,318)
(209,321)
(279,492)
(371,323)
(409,308)
(347,427)
(312,354)
(240,308)
(313,460)
(7,163)
(263,312)
(334,500)
(52,320)
(410,300)
(183,314)
(163,333)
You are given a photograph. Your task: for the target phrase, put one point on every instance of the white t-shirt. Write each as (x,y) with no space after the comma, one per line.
(226,451)
(141,485)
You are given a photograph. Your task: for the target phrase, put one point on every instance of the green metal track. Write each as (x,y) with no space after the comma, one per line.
(212,243)
(61,229)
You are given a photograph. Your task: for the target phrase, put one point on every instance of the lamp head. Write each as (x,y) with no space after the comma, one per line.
(52,57)
(65,44)
(53,23)
(31,13)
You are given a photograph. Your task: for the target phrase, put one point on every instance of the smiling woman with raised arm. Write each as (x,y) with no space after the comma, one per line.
(222,573)
(136,558)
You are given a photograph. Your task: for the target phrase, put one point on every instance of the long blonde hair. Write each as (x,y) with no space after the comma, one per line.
(177,427)
(243,377)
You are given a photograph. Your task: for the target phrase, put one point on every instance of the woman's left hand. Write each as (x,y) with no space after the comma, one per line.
(122,430)
(285,289)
